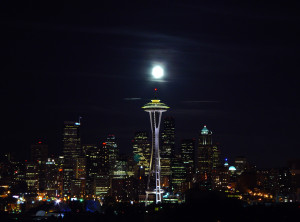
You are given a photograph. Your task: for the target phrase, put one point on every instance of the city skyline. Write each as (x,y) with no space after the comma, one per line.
(218,81)
(99,173)
(231,68)
(225,157)
(128,150)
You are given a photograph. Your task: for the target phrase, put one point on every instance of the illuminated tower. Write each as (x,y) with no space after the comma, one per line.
(188,157)
(208,159)
(113,153)
(71,150)
(71,140)
(167,150)
(155,109)
(141,150)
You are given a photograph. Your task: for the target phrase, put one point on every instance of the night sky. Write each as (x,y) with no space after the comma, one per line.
(231,67)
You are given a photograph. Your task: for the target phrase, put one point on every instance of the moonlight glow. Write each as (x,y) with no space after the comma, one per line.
(157,72)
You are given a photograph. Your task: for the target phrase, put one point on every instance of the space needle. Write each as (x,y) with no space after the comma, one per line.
(155,108)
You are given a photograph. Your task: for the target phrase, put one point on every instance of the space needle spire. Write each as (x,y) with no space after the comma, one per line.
(155,108)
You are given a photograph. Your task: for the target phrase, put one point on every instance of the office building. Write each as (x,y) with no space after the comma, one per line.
(39,151)
(187,149)
(141,150)
(71,150)
(208,159)
(167,150)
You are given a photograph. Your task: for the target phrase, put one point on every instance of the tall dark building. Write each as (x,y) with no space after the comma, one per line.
(39,151)
(39,156)
(93,165)
(104,159)
(178,173)
(32,176)
(71,150)
(51,177)
(141,150)
(93,160)
(71,139)
(167,149)
(79,180)
(188,156)
(113,152)
(208,159)
(168,138)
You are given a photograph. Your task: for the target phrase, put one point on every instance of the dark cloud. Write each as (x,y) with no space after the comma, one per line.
(200,101)
(132,98)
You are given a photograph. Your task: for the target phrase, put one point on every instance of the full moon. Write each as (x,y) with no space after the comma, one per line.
(157,72)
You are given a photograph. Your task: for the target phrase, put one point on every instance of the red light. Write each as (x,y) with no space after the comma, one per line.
(104,143)
(155,89)
(39,142)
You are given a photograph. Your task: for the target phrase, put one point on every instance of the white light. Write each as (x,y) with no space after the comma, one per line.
(57,201)
(157,72)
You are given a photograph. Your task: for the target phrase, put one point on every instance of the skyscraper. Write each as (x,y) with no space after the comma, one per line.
(207,159)
(104,159)
(188,156)
(92,153)
(93,165)
(32,176)
(178,173)
(71,140)
(141,150)
(167,149)
(113,152)
(79,180)
(102,180)
(71,150)
(51,177)
(168,137)
(39,151)
(155,109)
(39,155)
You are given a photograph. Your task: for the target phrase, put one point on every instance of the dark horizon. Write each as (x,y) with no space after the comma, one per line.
(231,67)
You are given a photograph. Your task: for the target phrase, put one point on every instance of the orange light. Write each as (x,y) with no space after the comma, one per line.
(60,170)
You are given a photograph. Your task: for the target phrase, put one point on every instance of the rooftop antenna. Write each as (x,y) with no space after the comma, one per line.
(155,93)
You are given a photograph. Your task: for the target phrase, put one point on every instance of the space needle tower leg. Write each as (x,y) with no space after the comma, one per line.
(157,160)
